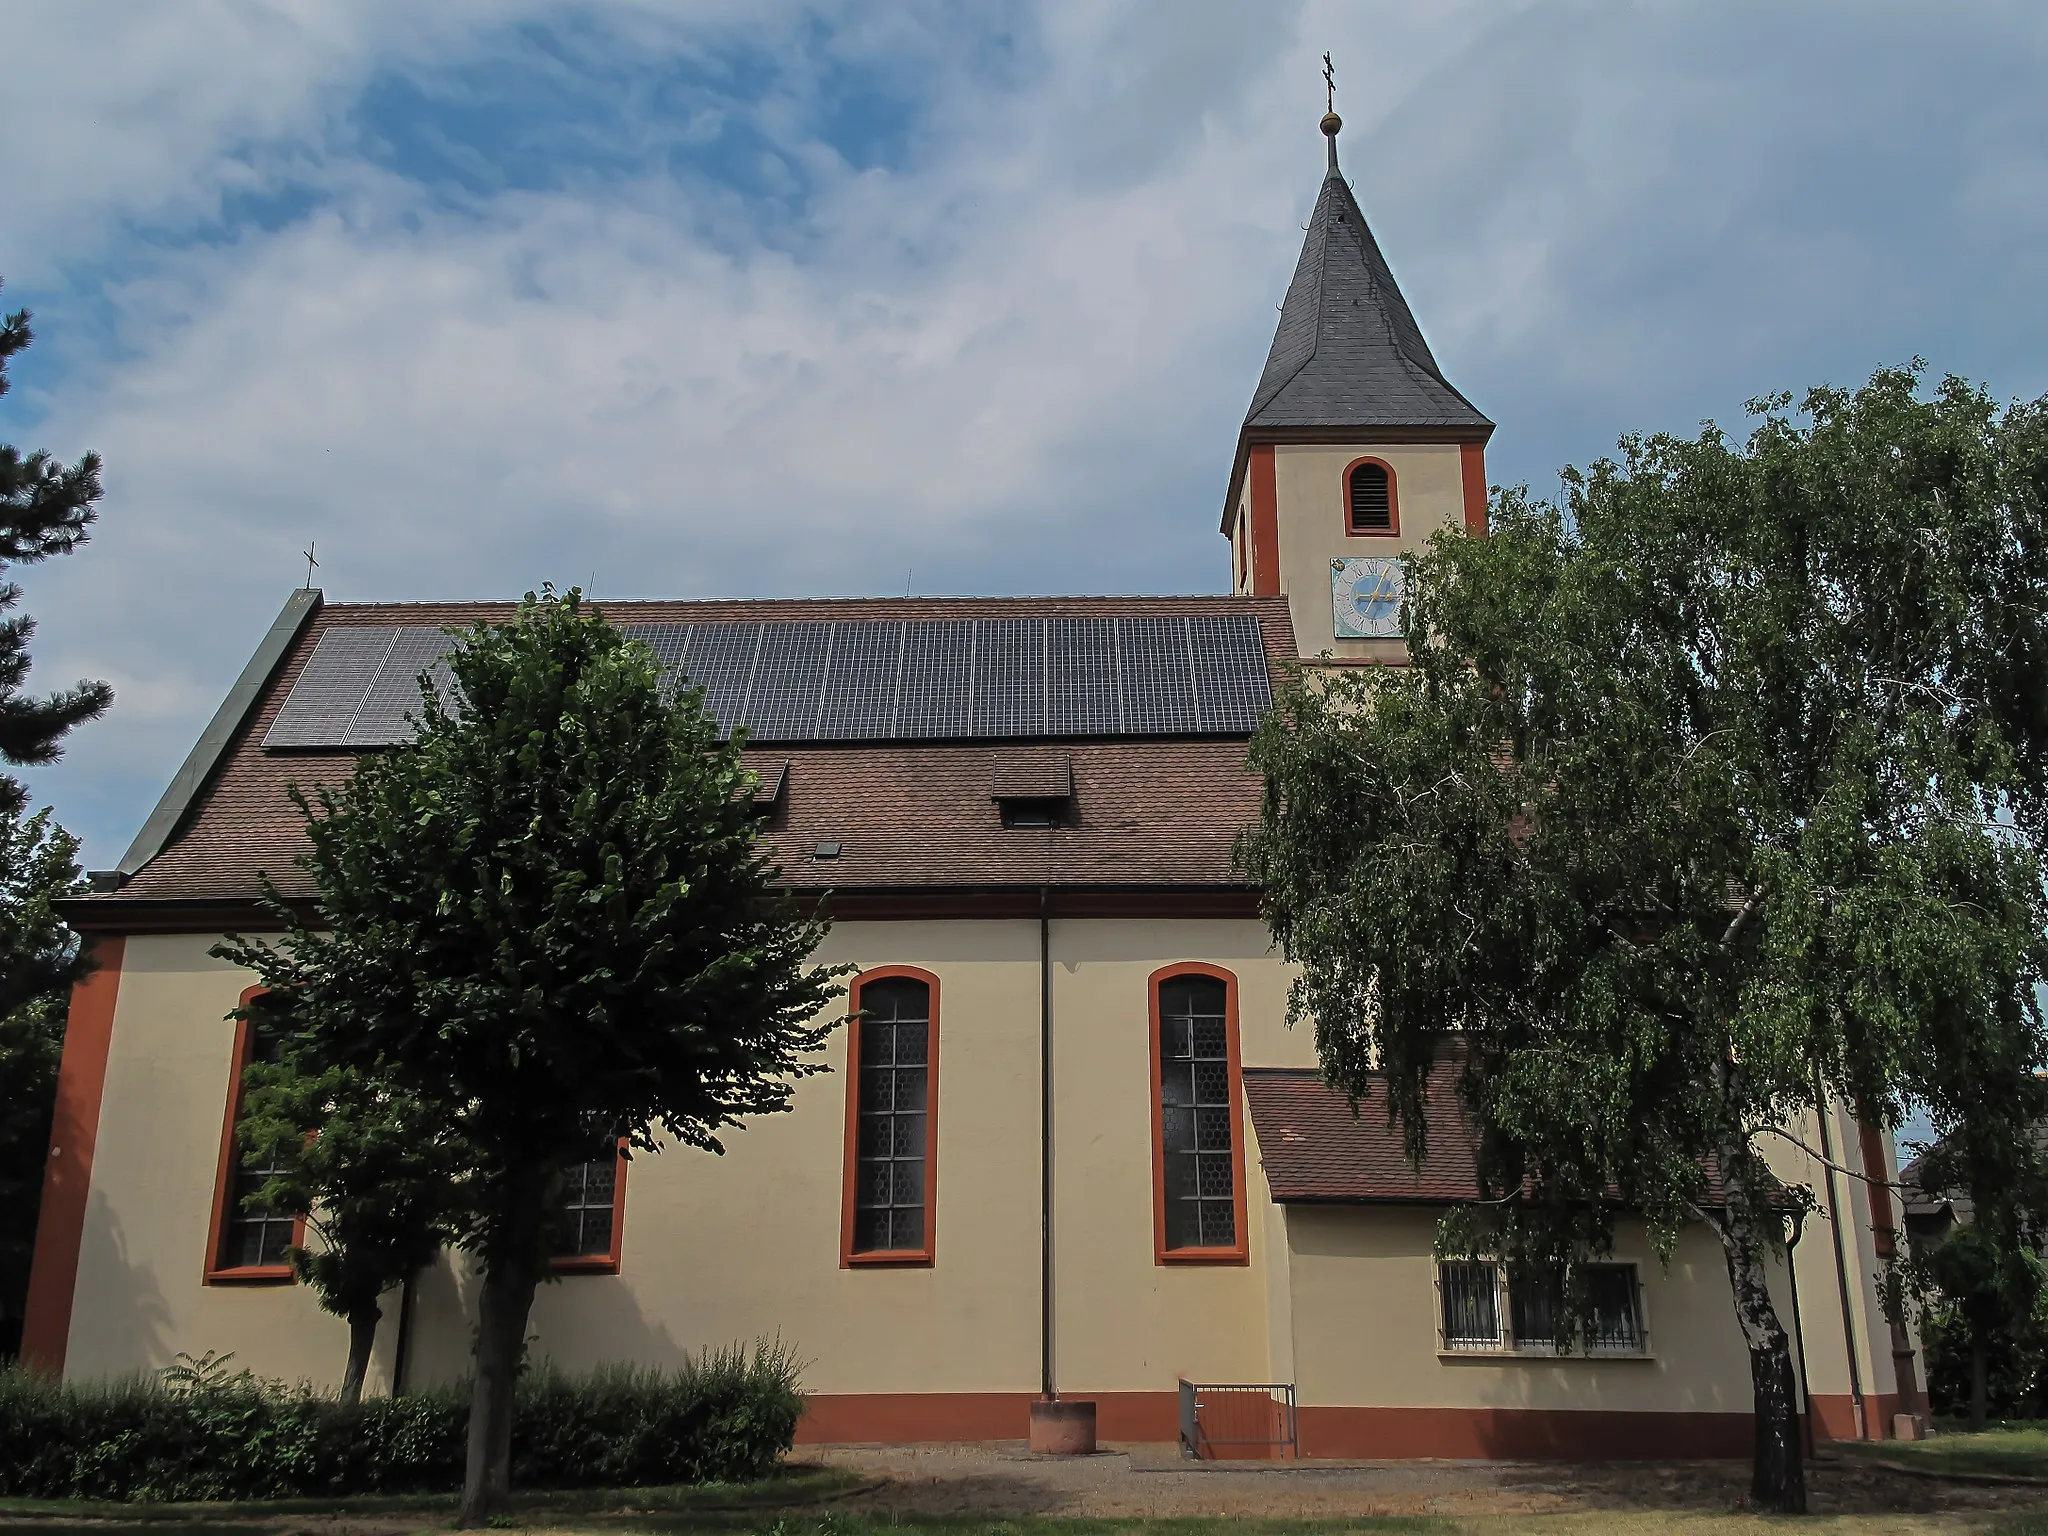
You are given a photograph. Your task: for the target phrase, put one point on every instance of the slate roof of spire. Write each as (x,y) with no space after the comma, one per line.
(1348,352)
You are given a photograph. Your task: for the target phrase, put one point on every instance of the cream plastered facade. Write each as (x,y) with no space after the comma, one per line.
(723,1249)
(1311,514)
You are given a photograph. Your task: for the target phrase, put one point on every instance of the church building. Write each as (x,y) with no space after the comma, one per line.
(1068,1145)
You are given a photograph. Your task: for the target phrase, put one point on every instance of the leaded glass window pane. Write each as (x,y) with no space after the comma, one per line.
(891,1142)
(253,1239)
(1195,1113)
(584,1214)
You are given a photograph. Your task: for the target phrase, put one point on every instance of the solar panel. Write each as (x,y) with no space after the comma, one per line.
(1009,677)
(382,720)
(860,686)
(721,662)
(1232,685)
(1081,684)
(1158,676)
(936,693)
(789,681)
(855,680)
(330,688)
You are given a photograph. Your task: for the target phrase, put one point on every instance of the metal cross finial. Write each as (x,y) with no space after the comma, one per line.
(1329,84)
(311,563)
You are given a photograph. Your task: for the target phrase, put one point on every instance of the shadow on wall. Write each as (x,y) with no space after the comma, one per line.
(126,1318)
(578,1322)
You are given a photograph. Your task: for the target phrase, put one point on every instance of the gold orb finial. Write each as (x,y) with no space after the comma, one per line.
(1332,124)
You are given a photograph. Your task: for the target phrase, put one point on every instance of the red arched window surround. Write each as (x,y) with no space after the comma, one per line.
(1238,1252)
(220,1224)
(1393,500)
(899,1257)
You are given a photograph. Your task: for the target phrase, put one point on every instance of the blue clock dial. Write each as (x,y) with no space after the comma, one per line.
(1365,597)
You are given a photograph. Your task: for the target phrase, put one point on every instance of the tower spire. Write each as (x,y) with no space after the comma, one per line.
(1332,123)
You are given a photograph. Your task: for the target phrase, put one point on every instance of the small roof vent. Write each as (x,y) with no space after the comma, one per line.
(773,775)
(1033,788)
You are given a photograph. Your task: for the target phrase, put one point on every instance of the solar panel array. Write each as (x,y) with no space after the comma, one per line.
(853,679)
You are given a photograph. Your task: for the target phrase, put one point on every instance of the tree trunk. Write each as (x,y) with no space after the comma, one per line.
(1980,1385)
(1778,1481)
(503,1304)
(362,1337)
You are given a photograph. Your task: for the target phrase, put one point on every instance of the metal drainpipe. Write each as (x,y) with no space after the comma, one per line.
(1798,1328)
(1045,1155)
(1827,1153)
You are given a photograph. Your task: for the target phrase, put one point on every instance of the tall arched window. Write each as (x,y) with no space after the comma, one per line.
(892,1113)
(1369,498)
(1198,1179)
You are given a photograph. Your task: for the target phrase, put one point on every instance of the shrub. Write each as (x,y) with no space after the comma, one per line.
(203,1434)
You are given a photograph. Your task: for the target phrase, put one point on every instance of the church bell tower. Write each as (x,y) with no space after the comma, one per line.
(1356,447)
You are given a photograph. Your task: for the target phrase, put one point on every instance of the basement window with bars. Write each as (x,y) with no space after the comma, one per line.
(1197,1152)
(1538,1316)
(891,1175)
(587,1210)
(1371,495)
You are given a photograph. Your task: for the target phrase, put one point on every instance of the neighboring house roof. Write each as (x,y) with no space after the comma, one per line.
(1347,352)
(1157,812)
(1317,1149)
(1931,1206)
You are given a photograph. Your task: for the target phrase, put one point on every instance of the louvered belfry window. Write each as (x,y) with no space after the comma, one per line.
(892,1149)
(1372,501)
(1195,1113)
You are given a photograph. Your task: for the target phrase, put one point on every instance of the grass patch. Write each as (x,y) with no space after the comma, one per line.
(2017,1450)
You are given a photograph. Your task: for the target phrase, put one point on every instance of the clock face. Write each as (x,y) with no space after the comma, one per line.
(1365,597)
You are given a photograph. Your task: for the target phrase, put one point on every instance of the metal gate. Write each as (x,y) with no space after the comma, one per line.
(1230,1420)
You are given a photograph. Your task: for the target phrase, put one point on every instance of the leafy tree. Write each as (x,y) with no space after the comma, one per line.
(549,920)
(39,960)
(370,1168)
(1711,795)
(45,509)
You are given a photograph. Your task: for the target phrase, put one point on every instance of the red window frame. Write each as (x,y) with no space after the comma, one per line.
(224,1177)
(900,1258)
(1238,1252)
(1393,528)
(606,1263)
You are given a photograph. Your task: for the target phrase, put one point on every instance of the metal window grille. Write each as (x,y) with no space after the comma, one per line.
(1194,1093)
(1535,1308)
(1616,1321)
(895,1067)
(1372,505)
(589,1196)
(1471,1305)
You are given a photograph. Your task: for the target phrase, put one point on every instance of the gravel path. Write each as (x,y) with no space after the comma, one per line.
(1142,1481)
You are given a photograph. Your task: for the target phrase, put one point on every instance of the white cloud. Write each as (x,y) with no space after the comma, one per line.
(1014,358)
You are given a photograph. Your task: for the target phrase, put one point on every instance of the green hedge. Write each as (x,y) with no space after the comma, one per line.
(726,1417)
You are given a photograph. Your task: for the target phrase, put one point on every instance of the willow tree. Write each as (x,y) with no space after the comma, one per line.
(1711,795)
(548,919)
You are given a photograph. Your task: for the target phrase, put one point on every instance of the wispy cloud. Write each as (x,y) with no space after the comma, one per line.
(785,298)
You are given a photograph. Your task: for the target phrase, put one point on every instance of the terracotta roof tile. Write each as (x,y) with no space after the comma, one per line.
(1146,811)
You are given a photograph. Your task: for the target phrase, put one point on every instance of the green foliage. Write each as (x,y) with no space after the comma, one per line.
(548,919)
(45,510)
(213,1435)
(39,959)
(372,1170)
(1718,791)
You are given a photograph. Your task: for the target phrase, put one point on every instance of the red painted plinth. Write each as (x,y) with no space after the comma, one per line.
(1063,1428)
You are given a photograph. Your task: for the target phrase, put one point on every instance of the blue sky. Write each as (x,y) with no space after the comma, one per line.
(763,297)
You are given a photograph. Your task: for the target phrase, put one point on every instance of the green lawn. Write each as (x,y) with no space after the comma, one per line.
(2019,1450)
